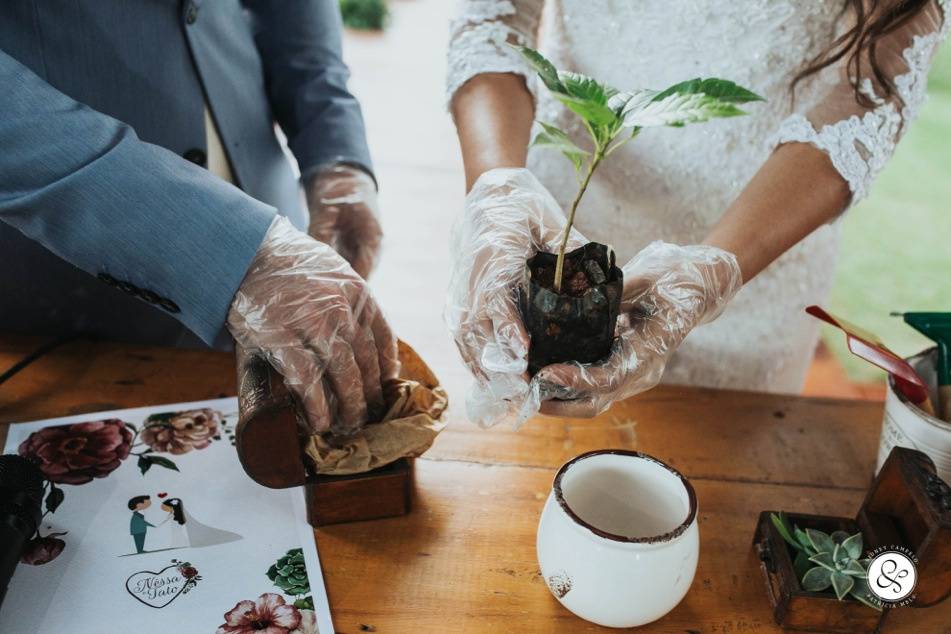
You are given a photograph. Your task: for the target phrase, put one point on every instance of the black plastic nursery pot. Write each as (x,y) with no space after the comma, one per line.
(577,323)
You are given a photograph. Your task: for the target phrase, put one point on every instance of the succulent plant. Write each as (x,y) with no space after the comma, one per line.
(824,561)
(289,573)
(612,118)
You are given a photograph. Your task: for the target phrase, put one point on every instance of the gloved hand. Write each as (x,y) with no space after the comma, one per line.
(668,290)
(315,321)
(508,217)
(344,214)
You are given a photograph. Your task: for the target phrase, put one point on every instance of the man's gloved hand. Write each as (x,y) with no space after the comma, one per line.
(344,214)
(668,290)
(315,321)
(508,217)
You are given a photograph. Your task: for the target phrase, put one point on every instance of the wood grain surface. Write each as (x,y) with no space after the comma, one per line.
(464,559)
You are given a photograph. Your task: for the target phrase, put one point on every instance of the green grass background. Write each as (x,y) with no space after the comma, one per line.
(896,251)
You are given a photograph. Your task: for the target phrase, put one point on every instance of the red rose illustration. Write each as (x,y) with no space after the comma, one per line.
(180,432)
(269,613)
(188,572)
(42,550)
(75,454)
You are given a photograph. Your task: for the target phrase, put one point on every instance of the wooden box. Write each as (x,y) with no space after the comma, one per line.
(269,449)
(907,506)
(798,609)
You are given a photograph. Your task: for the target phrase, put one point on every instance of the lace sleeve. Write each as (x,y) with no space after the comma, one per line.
(859,140)
(479,36)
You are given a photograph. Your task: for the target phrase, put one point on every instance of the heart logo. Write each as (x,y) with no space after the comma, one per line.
(157,589)
(162,494)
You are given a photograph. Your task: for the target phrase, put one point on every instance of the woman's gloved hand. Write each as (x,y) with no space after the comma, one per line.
(668,290)
(315,321)
(508,217)
(344,213)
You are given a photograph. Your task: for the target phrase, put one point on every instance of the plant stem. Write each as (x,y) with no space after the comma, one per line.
(560,262)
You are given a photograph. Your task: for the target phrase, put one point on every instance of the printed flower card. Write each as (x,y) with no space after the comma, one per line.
(151,526)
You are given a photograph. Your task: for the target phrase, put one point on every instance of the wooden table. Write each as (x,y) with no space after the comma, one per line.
(464,559)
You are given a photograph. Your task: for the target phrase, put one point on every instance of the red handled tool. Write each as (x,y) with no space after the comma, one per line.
(868,346)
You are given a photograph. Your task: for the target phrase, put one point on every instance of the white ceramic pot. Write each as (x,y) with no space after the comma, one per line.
(618,541)
(906,425)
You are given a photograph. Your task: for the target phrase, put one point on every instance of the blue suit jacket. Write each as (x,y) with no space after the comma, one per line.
(101,124)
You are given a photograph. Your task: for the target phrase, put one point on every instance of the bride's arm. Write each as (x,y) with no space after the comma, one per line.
(489,85)
(796,191)
(493,114)
(829,156)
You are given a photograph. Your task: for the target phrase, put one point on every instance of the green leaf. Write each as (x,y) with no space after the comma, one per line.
(839,536)
(817,579)
(803,540)
(146,461)
(838,555)
(591,111)
(632,100)
(163,462)
(554,138)
(691,101)
(307,603)
(853,546)
(585,88)
(861,593)
(820,541)
(679,110)
(719,89)
(54,498)
(801,564)
(583,95)
(855,569)
(781,522)
(825,560)
(545,69)
(842,584)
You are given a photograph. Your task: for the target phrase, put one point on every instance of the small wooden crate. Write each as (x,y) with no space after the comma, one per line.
(268,445)
(383,492)
(798,609)
(908,506)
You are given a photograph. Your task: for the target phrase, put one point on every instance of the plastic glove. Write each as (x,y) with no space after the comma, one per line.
(668,290)
(344,214)
(315,321)
(508,217)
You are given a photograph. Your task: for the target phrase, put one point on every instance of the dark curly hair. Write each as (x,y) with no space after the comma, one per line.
(874,19)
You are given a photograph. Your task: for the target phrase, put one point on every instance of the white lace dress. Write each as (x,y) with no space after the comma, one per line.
(674,184)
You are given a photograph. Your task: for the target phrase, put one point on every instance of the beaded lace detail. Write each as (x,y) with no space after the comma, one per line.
(481,38)
(674,185)
(859,147)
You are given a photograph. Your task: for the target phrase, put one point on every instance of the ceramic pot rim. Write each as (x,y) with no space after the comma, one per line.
(934,421)
(652,539)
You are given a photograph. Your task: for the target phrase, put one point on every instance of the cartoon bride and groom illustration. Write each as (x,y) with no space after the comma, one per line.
(178,530)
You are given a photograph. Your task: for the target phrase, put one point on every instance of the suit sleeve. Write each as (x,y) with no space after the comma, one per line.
(83,185)
(306,79)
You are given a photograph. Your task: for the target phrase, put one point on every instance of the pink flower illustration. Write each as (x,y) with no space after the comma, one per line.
(269,614)
(77,453)
(180,432)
